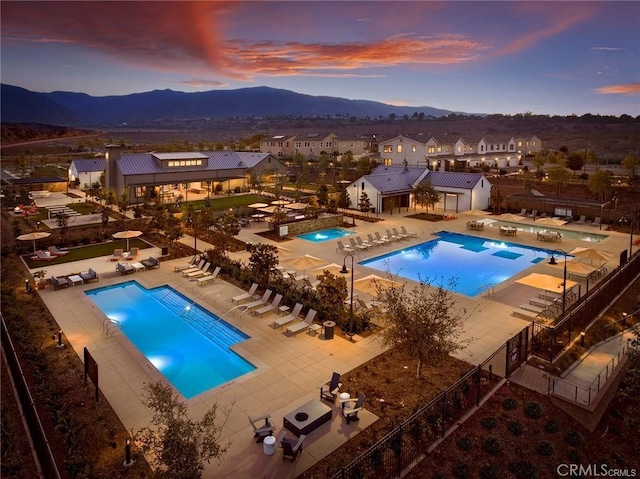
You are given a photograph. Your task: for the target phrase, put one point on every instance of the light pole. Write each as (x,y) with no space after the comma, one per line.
(194,223)
(553,261)
(630,217)
(344,270)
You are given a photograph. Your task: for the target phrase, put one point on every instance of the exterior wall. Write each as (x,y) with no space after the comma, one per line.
(278,147)
(355,191)
(357,147)
(401,148)
(311,147)
(316,224)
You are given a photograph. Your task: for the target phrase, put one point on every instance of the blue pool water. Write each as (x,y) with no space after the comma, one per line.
(326,235)
(186,343)
(527,228)
(473,261)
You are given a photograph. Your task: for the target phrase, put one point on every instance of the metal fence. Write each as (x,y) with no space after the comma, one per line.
(407,443)
(550,341)
(40,442)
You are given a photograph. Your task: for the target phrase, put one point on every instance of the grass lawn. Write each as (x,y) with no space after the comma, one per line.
(86,252)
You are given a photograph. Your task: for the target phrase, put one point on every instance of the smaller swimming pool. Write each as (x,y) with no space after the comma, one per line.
(189,345)
(326,235)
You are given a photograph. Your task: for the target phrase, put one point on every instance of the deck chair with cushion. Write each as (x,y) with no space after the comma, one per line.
(124,268)
(42,256)
(202,280)
(56,252)
(246,295)
(351,407)
(269,307)
(291,447)
(117,254)
(302,325)
(150,263)
(194,268)
(182,267)
(197,274)
(261,431)
(258,302)
(59,282)
(288,318)
(582,220)
(89,276)
(133,253)
(330,391)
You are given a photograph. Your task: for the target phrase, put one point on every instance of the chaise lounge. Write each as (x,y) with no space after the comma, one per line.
(56,252)
(302,325)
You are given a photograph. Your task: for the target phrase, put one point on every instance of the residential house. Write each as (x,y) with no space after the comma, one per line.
(86,171)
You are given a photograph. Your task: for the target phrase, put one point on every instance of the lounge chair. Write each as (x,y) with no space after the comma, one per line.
(59,282)
(194,268)
(42,256)
(366,243)
(248,295)
(117,254)
(533,214)
(197,274)
(124,268)
(133,253)
(330,391)
(399,235)
(89,276)
(596,221)
(523,212)
(261,431)
(192,261)
(208,276)
(351,407)
(383,239)
(302,325)
(269,307)
(374,241)
(409,234)
(56,252)
(291,447)
(582,220)
(289,318)
(343,247)
(391,236)
(309,284)
(356,246)
(150,263)
(258,302)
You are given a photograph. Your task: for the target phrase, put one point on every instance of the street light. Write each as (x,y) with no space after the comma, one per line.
(553,261)
(344,270)
(194,222)
(630,217)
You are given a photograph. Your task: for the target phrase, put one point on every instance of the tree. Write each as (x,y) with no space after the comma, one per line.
(539,161)
(423,322)
(263,259)
(323,195)
(62,221)
(226,227)
(426,195)
(558,175)
(346,160)
(344,201)
(575,162)
(600,183)
(178,446)
(629,163)
(332,291)
(364,205)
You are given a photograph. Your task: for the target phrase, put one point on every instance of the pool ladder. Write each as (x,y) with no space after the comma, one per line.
(487,289)
(110,327)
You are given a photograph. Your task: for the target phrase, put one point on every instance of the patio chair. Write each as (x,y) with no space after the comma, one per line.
(383,239)
(261,431)
(302,325)
(208,277)
(330,391)
(194,268)
(410,234)
(391,236)
(133,253)
(42,256)
(151,262)
(258,302)
(197,274)
(523,212)
(190,264)
(288,318)
(117,254)
(59,282)
(374,241)
(248,295)
(343,247)
(362,242)
(89,276)
(351,407)
(56,252)
(355,246)
(399,235)
(311,284)
(533,214)
(582,220)
(124,268)
(291,447)
(596,221)
(269,307)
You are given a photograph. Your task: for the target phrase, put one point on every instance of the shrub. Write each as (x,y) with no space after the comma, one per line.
(461,470)
(523,470)
(489,472)
(534,410)
(492,445)
(573,455)
(574,438)
(515,428)
(545,448)
(489,422)
(464,444)
(509,404)
(552,426)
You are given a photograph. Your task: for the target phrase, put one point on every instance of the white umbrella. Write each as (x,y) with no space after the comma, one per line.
(296,206)
(258,205)
(511,217)
(591,254)
(576,267)
(36,235)
(127,235)
(304,262)
(551,222)
(331,268)
(280,202)
(368,284)
(268,209)
(546,282)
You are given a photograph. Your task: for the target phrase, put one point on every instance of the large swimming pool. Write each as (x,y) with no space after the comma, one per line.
(475,262)
(186,343)
(326,235)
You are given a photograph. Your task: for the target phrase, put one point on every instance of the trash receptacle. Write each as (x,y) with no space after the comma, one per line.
(165,250)
(269,445)
(249,245)
(328,329)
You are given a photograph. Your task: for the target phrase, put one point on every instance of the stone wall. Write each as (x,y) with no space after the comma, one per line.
(323,222)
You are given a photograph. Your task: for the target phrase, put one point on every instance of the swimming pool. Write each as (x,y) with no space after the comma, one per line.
(326,235)
(186,343)
(526,228)
(475,262)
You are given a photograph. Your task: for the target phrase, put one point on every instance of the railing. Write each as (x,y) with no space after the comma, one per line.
(583,395)
(111,328)
(488,288)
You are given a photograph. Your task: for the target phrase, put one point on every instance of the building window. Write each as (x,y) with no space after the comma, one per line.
(140,191)
(388,162)
(413,148)
(459,149)
(447,148)
(399,148)
(386,149)
(431,149)
(439,149)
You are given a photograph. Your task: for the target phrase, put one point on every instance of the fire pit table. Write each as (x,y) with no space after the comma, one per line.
(307,417)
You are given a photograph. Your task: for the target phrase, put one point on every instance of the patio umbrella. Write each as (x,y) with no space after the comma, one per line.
(304,262)
(280,202)
(511,217)
(576,267)
(258,205)
(546,282)
(268,209)
(296,206)
(127,235)
(36,235)
(551,222)
(332,268)
(591,254)
(368,284)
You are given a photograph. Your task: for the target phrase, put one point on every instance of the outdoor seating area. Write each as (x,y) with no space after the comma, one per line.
(475,225)
(89,276)
(44,255)
(549,236)
(508,230)
(124,268)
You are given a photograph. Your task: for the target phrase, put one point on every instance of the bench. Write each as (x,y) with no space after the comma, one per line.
(41,194)
(526,313)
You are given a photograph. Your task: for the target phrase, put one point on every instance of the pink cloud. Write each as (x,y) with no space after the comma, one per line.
(628,89)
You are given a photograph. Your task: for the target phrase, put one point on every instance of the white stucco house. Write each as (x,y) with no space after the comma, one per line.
(86,171)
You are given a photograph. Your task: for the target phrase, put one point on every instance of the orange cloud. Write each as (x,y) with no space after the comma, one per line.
(628,89)
(199,82)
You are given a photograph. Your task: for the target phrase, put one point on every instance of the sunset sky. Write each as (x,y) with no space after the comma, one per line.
(545,57)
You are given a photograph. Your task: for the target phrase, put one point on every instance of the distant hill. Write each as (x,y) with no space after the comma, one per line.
(82,110)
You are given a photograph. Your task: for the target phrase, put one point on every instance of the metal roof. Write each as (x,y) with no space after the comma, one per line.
(251,159)
(452,179)
(394,179)
(188,155)
(147,163)
(87,165)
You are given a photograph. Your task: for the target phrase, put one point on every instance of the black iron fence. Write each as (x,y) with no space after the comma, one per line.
(550,341)
(407,443)
(40,442)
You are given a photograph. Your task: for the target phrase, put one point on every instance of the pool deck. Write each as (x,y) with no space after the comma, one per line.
(289,369)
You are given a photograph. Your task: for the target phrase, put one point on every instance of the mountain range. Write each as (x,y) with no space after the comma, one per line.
(20,105)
